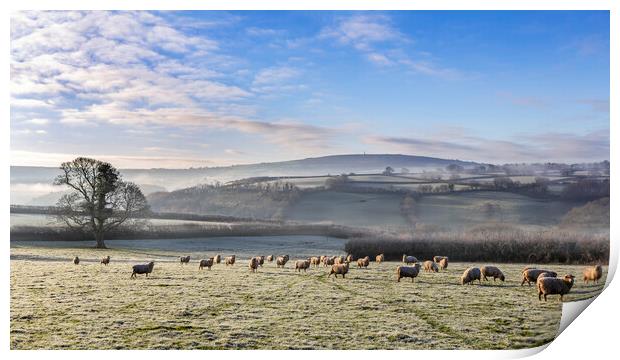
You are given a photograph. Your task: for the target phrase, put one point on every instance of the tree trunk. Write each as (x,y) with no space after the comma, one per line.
(99,238)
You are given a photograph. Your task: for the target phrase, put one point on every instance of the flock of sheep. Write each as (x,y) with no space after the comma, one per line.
(547,282)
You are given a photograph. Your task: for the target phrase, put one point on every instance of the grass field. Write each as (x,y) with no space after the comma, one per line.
(58,305)
(351,209)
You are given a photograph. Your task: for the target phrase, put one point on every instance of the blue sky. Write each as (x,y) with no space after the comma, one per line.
(181,89)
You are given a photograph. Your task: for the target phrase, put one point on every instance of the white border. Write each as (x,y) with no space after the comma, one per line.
(591,335)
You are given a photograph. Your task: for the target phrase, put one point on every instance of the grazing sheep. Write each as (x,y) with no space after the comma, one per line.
(350,258)
(316,261)
(443,263)
(531,275)
(554,286)
(106,260)
(281,261)
(339,269)
(469,275)
(184,259)
(364,262)
(409,259)
(253,264)
(143,269)
(76,260)
(206,263)
(430,266)
(302,265)
(492,271)
(593,273)
(380,258)
(270,258)
(339,259)
(407,271)
(327,261)
(230,260)
(217,259)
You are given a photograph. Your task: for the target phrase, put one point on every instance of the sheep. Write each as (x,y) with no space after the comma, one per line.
(106,260)
(261,260)
(430,266)
(76,260)
(531,275)
(217,259)
(437,259)
(492,271)
(339,259)
(339,269)
(407,271)
(281,261)
(363,263)
(322,259)
(302,265)
(593,273)
(469,275)
(206,263)
(409,259)
(230,260)
(380,258)
(143,269)
(327,261)
(316,261)
(184,259)
(554,286)
(270,258)
(253,264)
(443,263)
(350,258)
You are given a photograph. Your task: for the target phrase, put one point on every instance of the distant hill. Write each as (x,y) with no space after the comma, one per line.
(173,179)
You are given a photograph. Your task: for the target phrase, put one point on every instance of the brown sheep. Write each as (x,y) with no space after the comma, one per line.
(593,273)
(327,261)
(316,261)
(205,263)
(469,275)
(76,260)
(322,259)
(217,259)
(363,263)
(443,263)
(492,271)
(380,258)
(253,264)
(407,271)
(339,259)
(554,286)
(350,258)
(270,258)
(230,260)
(437,259)
(341,269)
(184,259)
(106,260)
(281,261)
(430,266)
(531,275)
(409,259)
(302,265)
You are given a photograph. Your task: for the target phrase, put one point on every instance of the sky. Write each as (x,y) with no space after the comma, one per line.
(213,88)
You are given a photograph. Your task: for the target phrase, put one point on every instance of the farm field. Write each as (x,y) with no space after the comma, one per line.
(351,209)
(45,220)
(58,305)
(459,209)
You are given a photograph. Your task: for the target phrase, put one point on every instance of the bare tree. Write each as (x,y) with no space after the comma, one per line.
(99,200)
